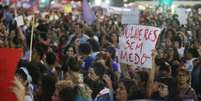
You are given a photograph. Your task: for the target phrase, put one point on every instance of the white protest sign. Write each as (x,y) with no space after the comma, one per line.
(182,15)
(19,20)
(29,18)
(199,11)
(136,44)
(131,17)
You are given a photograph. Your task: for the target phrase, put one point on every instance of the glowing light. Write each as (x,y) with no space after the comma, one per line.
(125,0)
(173,8)
(125,5)
(43,0)
(53,2)
(107,2)
(98,2)
(141,7)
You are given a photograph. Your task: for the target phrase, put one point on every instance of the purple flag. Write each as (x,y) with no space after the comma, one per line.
(88,14)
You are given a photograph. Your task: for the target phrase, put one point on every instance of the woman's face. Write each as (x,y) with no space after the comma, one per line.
(70,51)
(176,44)
(171,52)
(121,93)
(92,75)
(114,37)
(182,78)
(168,42)
(163,89)
(77,29)
(169,34)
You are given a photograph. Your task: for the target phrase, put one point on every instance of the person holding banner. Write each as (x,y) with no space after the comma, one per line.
(95,43)
(23,75)
(18,89)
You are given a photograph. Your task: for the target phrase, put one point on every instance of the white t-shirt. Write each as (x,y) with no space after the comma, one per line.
(28,98)
(181,51)
(189,64)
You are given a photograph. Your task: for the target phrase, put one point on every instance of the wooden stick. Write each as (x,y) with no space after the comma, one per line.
(151,76)
(31,43)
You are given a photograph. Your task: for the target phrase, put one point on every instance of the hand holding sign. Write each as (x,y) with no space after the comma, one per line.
(131,17)
(18,89)
(136,44)
(19,20)
(154,53)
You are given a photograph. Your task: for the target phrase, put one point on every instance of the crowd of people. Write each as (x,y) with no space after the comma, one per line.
(75,61)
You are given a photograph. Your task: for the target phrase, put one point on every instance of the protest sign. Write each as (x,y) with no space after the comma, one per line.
(29,18)
(19,20)
(9,58)
(199,11)
(68,8)
(131,17)
(136,43)
(182,15)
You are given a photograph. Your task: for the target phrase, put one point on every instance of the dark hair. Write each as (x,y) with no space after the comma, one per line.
(192,51)
(41,49)
(172,87)
(48,87)
(73,64)
(69,46)
(131,88)
(110,37)
(85,48)
(183,71)
(1,11)
(172,31)
(62,39)
(112,51)
(17,41)
(165,66)
(50,58)
(22,74)
(178,39)
(181,27)
(79,24)
(68,93)
(99,69)
(22,63)
(143,75)
(35,72)
(94,45)
(6,7)
(175,53)
(177,21)
(65,67)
